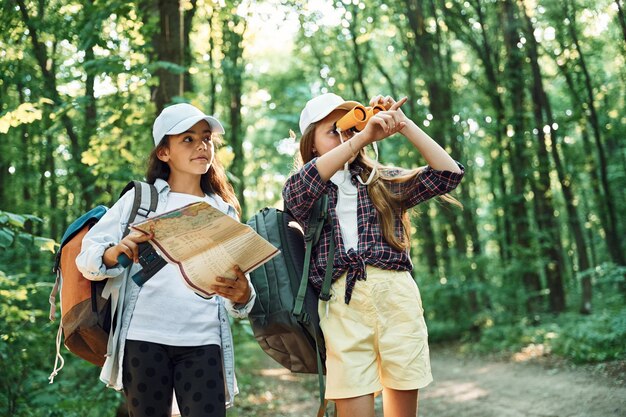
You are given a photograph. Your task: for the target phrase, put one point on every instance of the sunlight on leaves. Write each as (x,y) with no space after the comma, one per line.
(89,158)
(25,113)
(45,244)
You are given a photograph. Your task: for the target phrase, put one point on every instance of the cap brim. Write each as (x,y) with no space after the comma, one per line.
(346,105)
(184,125)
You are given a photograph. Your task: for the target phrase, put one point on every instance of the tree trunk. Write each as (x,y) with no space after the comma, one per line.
(212,93)
(565,180)
(485,51)
(357,54)
(437,82)
(188,56)
(91,114)
(621,18)
(233,67)
(148,11)
(590,161)
(22,183)
(47,69)
(612,232)
(424,224)
(519,161)
(549,228)
(170,48)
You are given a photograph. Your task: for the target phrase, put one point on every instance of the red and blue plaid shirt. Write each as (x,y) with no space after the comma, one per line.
(305,186)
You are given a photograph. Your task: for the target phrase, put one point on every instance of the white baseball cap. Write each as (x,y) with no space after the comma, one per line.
(178,118)
(321,106)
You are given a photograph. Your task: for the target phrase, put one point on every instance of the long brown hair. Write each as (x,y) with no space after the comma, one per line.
(389,205)
(213,181)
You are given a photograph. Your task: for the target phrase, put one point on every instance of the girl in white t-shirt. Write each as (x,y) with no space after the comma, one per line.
(166,339)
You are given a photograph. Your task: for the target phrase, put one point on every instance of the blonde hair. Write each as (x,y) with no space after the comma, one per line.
(388,204)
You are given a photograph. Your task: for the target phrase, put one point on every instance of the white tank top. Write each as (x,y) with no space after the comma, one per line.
(346,208)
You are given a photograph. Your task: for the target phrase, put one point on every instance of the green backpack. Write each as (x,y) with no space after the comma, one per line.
(284,317)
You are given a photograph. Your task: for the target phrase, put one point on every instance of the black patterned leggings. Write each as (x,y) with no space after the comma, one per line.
(151,372)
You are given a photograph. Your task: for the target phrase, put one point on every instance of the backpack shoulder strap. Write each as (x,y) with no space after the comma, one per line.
(317,219)
(145,202)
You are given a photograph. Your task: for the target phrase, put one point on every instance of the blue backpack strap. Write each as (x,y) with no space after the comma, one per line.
(91,217)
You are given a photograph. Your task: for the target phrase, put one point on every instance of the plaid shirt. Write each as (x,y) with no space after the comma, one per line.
(305,186)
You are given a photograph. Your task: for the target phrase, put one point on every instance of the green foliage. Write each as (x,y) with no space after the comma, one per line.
(606,276)
(581,339)
(595,338)
(443,331)
(27,337)
(11,226)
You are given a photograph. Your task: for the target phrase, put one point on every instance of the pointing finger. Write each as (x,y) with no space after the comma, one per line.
(399,103)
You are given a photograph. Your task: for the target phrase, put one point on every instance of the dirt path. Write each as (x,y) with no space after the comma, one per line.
(478,387)
(465,387)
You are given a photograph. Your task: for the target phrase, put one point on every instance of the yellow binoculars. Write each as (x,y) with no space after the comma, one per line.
(357,118)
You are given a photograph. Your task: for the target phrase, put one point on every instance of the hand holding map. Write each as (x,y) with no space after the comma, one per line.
(205,244)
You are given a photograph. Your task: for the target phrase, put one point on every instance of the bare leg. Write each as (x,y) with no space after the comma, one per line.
(400,403)
(358,406)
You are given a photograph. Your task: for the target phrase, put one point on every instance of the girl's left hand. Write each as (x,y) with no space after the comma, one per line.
(237,290)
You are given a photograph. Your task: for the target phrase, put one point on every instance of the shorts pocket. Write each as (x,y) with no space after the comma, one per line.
(409,291)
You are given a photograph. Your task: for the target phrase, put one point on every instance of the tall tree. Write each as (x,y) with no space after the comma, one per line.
(170,51)
(611,226)
(621,18)
(233,65)
(471,23)
(549,228)
(514,68)
(47,67)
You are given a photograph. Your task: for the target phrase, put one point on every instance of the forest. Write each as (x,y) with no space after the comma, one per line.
(529,95)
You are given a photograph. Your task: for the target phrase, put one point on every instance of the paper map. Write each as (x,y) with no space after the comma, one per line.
(205,243)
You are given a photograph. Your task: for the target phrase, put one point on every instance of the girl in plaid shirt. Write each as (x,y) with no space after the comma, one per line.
(376,337)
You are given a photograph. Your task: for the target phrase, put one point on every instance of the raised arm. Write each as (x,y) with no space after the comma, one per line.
(380,126)
(436,157)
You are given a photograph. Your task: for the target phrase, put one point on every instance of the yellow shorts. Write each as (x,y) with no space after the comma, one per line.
(379,339)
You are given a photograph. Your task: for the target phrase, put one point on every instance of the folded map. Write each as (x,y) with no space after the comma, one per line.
(205,244)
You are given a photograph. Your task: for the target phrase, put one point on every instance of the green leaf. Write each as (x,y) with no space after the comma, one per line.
(16,219)
(6,238)
(33,218)
(45,244)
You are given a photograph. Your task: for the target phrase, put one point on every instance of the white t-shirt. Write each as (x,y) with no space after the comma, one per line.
(167,311)
(346,208)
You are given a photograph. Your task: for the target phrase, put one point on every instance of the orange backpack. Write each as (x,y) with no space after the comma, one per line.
(85,313)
